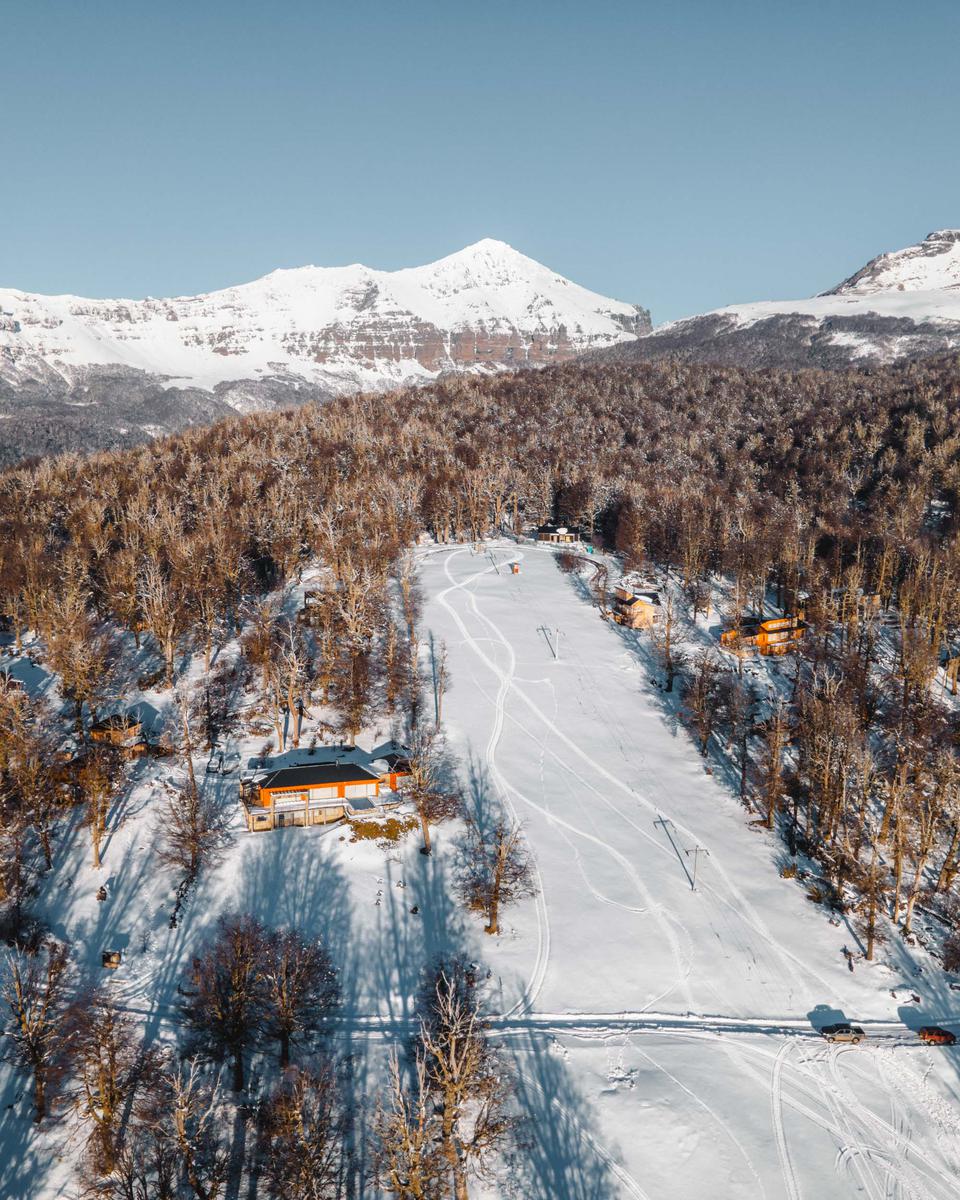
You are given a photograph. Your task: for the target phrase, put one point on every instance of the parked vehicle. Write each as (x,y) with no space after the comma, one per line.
(842,1031)
(933,1035)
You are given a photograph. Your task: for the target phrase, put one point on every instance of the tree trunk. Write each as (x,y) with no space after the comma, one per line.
(43,836)
(949,869)
(284,1048)
(493,913)
(425,829)
(238,1070)
(39,1095)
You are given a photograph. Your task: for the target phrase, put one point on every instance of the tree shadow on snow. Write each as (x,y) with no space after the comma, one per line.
(557,1156)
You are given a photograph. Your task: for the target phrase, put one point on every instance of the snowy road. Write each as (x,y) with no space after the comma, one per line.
(619,953)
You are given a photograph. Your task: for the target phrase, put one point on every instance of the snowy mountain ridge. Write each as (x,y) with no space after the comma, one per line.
(901,305)
(483,308)
(931,265)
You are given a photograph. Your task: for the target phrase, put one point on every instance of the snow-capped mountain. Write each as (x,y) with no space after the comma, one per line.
(300,333)
(901,305)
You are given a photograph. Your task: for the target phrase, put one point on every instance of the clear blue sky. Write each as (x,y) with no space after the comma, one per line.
(682,155)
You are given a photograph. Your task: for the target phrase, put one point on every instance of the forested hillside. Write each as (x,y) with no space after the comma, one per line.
(806,482)
(744,493)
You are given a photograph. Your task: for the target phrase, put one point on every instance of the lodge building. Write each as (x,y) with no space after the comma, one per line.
(319,792)
(635,610)
(774,636)
(558,535)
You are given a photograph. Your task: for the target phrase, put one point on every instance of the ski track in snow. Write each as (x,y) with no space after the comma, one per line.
(776,1105)
(714,1116)
(735,901)
(629,1182)
(535,983)
(507,683)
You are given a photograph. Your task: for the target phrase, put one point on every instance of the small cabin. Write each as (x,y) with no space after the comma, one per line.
(856,605)
(122,730)
(111,959)
(307,794)
(635,610)
(558,535)
(11,683)
(774,636)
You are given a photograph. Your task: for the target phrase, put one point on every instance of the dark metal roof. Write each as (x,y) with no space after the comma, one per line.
(316,775)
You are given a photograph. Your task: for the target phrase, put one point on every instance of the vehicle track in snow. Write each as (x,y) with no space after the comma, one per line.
(508,683)
(776,1106)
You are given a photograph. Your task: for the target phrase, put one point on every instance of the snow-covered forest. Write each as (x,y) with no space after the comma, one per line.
(412,1002)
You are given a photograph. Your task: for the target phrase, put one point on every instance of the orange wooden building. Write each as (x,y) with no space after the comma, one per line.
(635,610)
(774,636)
(340,782)
(122,730)
(310,794)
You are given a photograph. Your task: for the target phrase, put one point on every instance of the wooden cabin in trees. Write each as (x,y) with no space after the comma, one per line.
(558,535)
(122,730)
(774,636)
(856,605)
(635,610)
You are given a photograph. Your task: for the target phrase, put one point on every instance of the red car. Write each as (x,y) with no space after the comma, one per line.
(933,1035)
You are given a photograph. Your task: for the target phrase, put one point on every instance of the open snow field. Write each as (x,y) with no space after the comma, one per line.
(671,1052)
(662,1037)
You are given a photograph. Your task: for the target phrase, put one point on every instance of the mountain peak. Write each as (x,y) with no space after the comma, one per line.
(930,265)
(483,308)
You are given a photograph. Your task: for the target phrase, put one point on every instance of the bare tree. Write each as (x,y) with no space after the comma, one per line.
(410,1165)
(664,636)
(108,1065)
(303,1131)
(441,677)
(193,832)
(495,869)
(470,1086)
(96,780)
(34,990)
(300,986)
(163,601)
(189,1108)
(702,696)
(226,1002)
(428,787)
(775,740)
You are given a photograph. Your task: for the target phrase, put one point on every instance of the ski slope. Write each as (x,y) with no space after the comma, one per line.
(663,1039)
(671,1031)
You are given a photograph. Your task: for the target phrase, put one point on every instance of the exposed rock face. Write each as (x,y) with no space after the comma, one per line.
(901,305)
(114,371)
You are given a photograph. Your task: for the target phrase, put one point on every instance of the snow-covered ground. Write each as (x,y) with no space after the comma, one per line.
(670,1101)
(663,1037)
